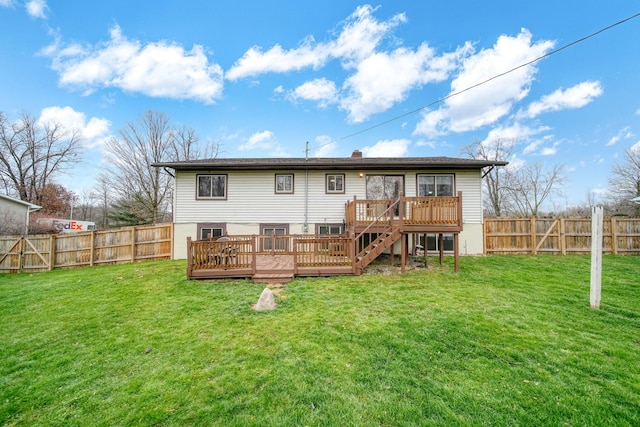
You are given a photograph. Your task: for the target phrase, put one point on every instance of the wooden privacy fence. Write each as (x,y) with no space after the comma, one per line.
(123,245)
(559,235)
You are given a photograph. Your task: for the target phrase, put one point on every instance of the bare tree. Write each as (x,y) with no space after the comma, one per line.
(31,153)
(103,194)
(152,139)
(528,186)
(494,191)
(624,182)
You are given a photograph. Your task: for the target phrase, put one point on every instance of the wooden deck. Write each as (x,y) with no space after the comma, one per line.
(373,228)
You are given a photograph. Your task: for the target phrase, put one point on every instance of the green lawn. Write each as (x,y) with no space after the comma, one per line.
(507,341)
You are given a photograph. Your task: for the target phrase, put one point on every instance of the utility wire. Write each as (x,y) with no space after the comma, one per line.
(451,95)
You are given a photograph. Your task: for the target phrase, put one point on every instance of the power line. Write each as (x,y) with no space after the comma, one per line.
(451,95)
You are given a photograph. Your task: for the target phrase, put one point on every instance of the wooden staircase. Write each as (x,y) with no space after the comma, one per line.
(378,246)
(388,231)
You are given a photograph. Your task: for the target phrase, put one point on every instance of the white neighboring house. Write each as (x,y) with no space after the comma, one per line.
(240,196)
(14,215)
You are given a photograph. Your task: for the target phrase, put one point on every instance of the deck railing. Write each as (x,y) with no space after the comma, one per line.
(230,254)
(418,211)
(323,250)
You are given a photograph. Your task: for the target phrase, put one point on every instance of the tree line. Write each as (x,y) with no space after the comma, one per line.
(129,191)
(525,189)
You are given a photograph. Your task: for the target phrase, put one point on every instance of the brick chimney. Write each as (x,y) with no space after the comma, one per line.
(357,154)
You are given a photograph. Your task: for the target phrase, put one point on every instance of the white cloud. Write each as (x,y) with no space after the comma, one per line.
(425,143)
(260,140)
(276,59)
(94,131)
(574,97)
(550,151)
(388,148)
(540,146)
(532,146)
(516,132)
(384,79)
(635,147)
(378,79)
(36,8)
(359,37)
(7,3)
(160,69)
(326,146)
(265,140)
(600,191)
(483,105)
(515,163)
(323,91)
(624,133)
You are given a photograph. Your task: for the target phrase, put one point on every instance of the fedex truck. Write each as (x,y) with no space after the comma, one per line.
(68,225)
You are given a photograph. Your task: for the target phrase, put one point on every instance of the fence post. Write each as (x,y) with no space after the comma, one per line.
(534,233)
(92,250)
(133,244)
(562,237)
(171,237)
(614,235)
(189,257)
(21,248)
(52,251)
(254,256)
(596,257)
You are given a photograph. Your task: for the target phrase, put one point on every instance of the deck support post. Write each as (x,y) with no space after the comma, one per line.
(403,254)
(456,251)
(189,258)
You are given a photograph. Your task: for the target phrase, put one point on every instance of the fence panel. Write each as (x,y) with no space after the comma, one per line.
(36,254)
(10,254)
(559,235)
(41,253)
(73,250)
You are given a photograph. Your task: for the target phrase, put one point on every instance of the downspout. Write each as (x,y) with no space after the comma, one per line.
(31,208)
(305,227)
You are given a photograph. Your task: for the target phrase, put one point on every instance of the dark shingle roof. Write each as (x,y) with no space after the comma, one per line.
(338,163)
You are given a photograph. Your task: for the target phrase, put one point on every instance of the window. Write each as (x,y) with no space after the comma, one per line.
(210,231)
(329,229)
(212,186)
(277,244)
(384,187)
(284,183)
(435,185)
(335,183)
(433,242)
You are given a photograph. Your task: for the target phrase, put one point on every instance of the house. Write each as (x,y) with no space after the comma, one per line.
(332,196)
(14,215)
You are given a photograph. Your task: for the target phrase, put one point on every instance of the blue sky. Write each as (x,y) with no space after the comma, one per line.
(262,78)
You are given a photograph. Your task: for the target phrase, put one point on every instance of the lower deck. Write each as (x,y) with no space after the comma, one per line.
(375,226)
(279,259)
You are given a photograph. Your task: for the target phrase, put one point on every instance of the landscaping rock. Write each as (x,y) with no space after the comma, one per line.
(266,301)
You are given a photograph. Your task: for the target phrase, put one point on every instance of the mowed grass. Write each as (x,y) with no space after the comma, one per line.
(506,341)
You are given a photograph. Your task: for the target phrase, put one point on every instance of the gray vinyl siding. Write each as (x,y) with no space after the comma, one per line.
(251,197)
